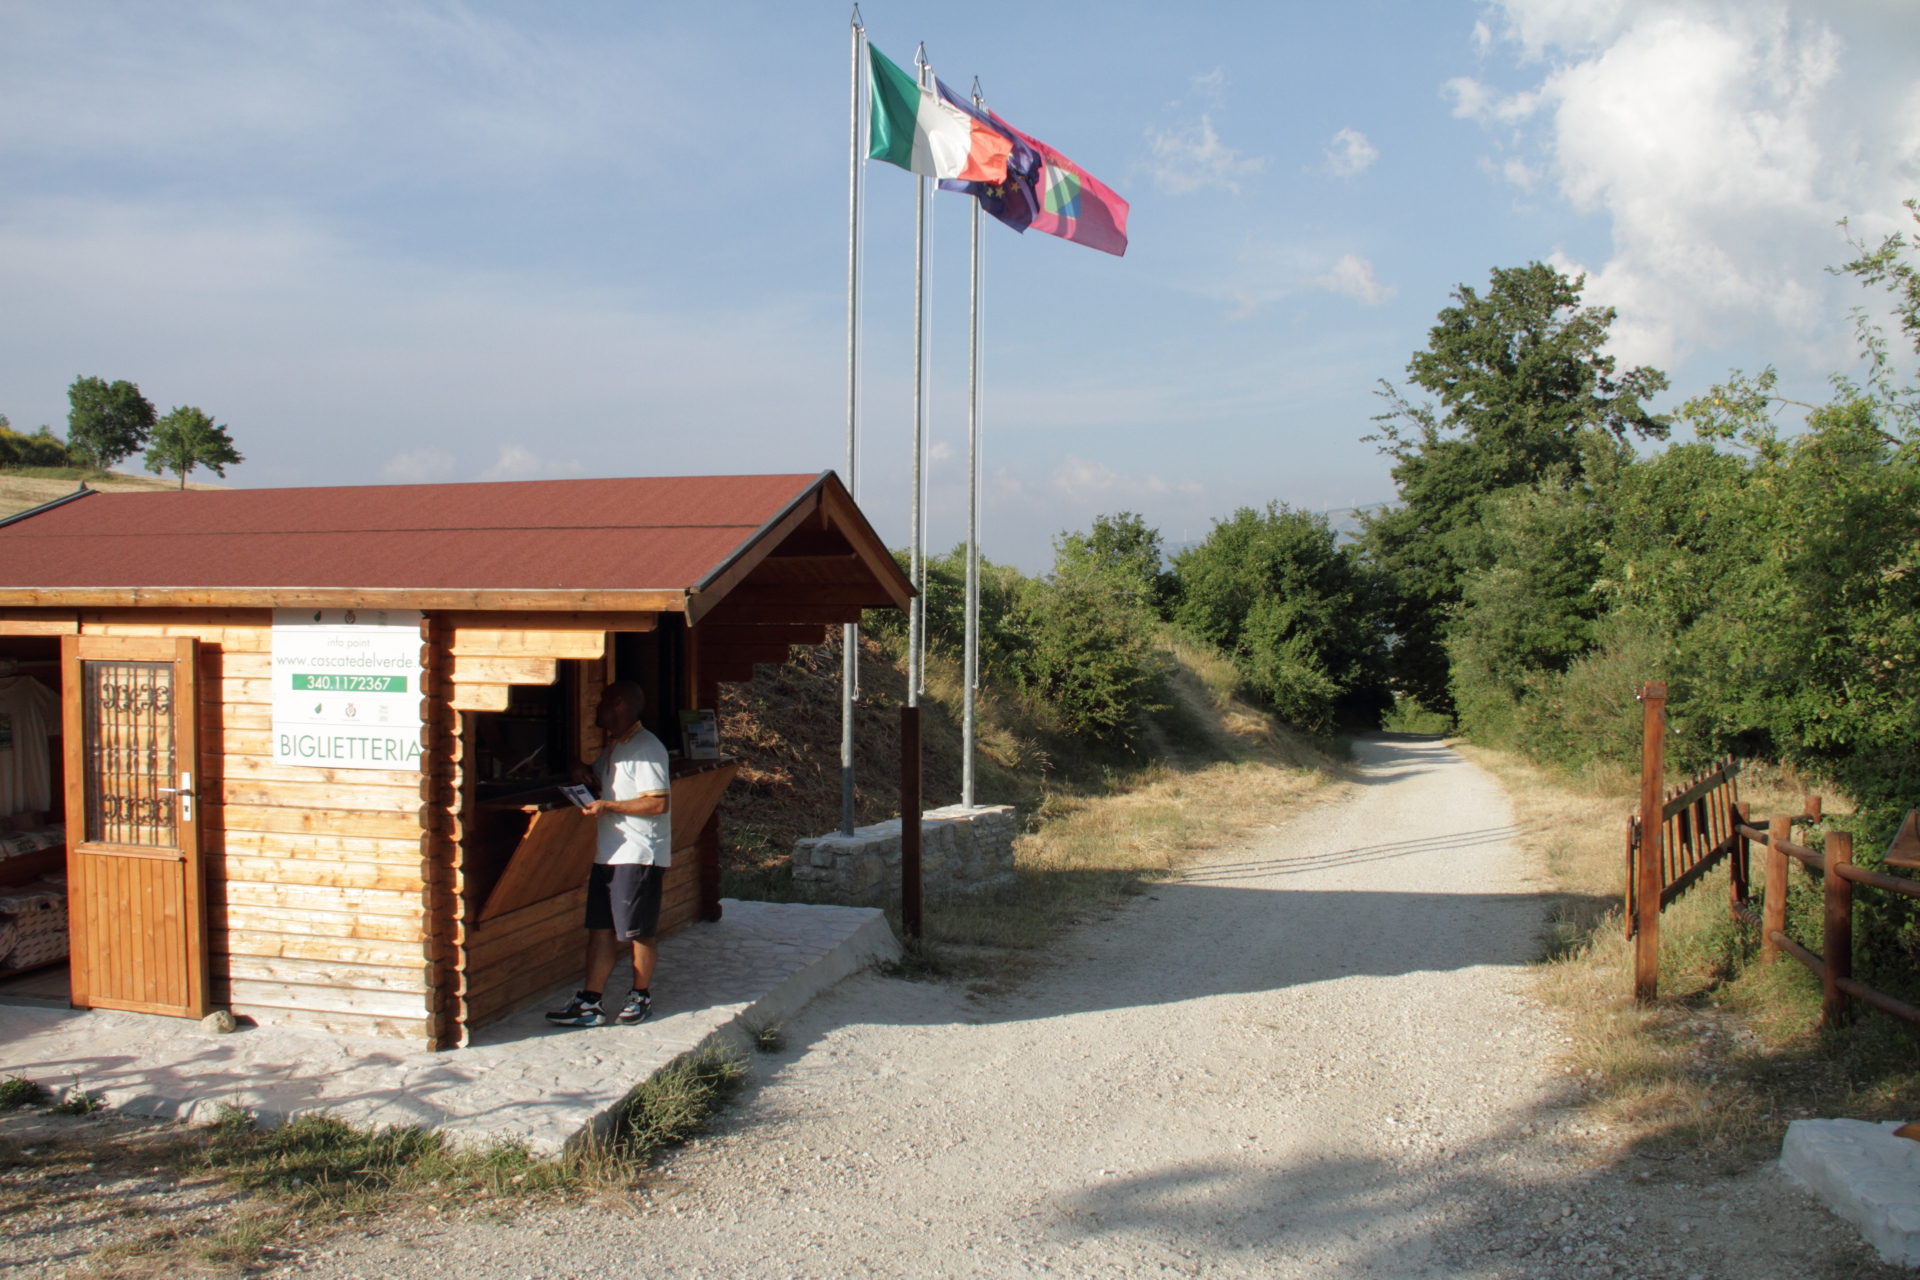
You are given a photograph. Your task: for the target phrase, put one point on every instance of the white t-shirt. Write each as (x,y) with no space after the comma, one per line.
(628,770)
(29,715)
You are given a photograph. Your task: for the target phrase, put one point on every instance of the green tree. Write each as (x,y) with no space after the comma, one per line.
(1123,551)
(106,421)
(187,438)
(1296,611)
(1520,379)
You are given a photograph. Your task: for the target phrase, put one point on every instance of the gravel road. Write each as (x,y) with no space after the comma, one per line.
(1314,1054)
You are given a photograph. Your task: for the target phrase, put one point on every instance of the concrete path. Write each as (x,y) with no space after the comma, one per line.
(522,1079)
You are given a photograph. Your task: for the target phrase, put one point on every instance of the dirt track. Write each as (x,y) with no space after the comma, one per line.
(1312,1055)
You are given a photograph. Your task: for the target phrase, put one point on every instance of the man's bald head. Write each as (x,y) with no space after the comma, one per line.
(630,695)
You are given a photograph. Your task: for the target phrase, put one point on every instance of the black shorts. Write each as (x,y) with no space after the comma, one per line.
(625,899)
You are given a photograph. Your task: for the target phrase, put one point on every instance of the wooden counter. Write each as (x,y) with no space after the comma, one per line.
(527,937)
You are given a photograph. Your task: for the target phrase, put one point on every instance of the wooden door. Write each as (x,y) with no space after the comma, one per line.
(136,904)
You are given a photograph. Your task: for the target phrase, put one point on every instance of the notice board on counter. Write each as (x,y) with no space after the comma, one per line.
(346,688)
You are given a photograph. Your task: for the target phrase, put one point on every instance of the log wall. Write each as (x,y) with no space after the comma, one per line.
(336,897)
(320,882)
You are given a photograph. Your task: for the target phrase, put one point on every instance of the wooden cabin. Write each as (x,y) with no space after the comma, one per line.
(272,805)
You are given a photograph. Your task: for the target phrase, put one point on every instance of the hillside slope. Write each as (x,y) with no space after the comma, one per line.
(784,726)
(32,486)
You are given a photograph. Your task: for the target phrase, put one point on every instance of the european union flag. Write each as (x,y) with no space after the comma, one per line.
(1013,201)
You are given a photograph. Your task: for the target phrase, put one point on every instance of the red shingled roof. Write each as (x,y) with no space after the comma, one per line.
(604,535)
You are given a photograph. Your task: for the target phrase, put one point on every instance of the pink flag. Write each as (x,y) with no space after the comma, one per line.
(1073,204)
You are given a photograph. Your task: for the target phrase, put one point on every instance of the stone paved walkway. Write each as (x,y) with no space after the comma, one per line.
(521,1080)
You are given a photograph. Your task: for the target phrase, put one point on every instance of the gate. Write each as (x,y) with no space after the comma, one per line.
(135,887)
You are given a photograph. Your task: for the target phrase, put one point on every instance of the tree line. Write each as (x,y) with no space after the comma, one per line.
(108,422)
(1272,588)
(1542,561)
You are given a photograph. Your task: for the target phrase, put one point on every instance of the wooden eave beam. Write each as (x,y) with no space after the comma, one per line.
(510,600)
(702,602)
(39,622)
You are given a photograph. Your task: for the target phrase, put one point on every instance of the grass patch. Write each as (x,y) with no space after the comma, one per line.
(769,1039)
(310,1177)
(76,1101)
(1733,1051)
(18,1091)
(921,959)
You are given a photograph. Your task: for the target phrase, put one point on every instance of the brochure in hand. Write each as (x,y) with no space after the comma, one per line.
(579,795)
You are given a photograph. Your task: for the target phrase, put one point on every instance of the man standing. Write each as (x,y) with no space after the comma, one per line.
(635,848)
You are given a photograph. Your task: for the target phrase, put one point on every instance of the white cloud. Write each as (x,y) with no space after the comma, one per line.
(1350,153)
(1081,480)
(417,466)
(1475,101)
(517,462)
(1189,157)
(1352,275)
(1212,87)
(1723,141)
(293,336)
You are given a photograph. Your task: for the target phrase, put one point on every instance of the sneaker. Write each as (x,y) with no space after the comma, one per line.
(638,1009)
(580,1012)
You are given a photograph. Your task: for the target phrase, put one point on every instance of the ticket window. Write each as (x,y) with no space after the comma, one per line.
(530,744)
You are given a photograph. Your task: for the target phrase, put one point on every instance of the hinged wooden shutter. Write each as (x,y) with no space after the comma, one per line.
(135,886)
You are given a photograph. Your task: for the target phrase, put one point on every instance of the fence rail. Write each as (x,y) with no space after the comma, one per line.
(1833,963)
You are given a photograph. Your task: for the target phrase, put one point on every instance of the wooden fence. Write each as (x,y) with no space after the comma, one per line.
(1833,964)
(1703,822)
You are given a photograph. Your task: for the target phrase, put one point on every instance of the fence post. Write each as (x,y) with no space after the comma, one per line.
(1773,912)
(1740,886)
(1837,948)
(1653,830)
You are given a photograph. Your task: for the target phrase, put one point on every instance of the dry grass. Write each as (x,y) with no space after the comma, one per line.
(29,487)
(1733,1051)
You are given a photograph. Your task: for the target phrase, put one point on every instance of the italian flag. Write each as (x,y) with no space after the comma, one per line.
(911,127)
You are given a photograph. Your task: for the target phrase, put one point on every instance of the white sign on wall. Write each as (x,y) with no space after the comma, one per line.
(346,688)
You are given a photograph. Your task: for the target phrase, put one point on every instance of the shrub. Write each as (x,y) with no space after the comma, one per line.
(1082,653)
(1295,610)
(41,449)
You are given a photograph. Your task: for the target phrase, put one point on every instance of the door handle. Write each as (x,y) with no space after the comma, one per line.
(185,792)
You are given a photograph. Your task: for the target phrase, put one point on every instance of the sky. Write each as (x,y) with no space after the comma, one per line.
(392,243)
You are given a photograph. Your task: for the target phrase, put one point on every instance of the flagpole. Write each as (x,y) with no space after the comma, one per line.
(911,904)
(916,617)
(971,670)
(850,638)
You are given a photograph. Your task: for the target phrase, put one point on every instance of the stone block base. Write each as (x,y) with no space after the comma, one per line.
(961,851)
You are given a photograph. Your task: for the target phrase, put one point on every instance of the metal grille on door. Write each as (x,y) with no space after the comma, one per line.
(130,753)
